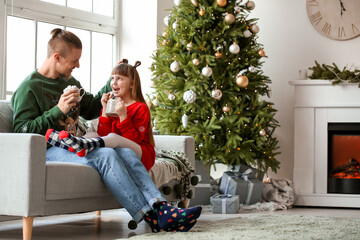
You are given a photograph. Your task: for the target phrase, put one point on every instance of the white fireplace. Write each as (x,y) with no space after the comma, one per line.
(317,103)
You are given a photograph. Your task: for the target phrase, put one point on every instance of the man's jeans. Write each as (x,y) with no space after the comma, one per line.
(123,174)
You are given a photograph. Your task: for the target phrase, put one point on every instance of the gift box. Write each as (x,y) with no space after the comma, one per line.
(245,185)
(241,168)
(225,203)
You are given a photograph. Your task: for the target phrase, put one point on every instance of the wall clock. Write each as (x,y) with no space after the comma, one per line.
(335,19)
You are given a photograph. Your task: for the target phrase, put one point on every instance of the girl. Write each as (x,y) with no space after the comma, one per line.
(131,128)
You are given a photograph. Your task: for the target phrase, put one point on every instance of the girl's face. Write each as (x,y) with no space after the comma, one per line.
(121,86)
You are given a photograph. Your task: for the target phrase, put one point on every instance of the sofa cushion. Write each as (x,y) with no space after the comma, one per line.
(6,114)
(72,180)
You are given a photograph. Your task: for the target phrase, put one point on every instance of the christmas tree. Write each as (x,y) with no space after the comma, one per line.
(208,83)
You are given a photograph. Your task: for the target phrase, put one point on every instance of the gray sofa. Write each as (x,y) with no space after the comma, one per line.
(30,186)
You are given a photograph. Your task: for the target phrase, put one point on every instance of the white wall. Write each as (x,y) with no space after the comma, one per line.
(290,42)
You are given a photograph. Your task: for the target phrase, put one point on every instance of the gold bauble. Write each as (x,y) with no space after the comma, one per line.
(226,108)
(196,61)
(194,2)
(218,54)
(242,81)
(165,34)
(261,52)
(202,12)
(221,3)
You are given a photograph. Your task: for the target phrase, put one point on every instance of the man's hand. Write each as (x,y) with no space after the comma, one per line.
(68,100)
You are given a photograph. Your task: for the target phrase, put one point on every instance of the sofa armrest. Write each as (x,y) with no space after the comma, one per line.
(184,144)
(22,174)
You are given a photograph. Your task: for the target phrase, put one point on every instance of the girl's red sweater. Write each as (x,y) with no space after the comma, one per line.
(135,127)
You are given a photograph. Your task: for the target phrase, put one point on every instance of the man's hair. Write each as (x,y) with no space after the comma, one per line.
(62,42)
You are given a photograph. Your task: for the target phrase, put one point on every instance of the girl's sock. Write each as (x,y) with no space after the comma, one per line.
(52,137)
(81,145)
(170,217)
(151,219)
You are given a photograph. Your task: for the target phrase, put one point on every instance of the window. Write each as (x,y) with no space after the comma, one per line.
(27,28)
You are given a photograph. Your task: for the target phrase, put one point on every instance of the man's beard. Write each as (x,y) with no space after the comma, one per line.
(65,77)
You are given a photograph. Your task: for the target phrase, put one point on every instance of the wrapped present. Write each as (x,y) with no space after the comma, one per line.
(248,188)
(225,203)
(242,168)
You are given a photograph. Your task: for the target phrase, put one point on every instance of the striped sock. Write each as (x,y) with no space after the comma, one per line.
(52,137)
(81,145)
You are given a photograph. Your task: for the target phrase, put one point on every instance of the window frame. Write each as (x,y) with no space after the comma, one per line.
(56,14)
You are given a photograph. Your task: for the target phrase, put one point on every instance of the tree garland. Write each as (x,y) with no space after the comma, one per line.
(328,72)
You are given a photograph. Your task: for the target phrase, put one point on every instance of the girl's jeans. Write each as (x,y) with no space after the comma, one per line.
(123,174)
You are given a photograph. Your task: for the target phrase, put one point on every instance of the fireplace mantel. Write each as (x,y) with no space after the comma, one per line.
(316,103)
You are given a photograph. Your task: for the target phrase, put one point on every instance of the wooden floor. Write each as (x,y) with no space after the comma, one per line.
(112,224)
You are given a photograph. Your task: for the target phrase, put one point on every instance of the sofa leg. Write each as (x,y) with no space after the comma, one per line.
(27,227)
(98,213)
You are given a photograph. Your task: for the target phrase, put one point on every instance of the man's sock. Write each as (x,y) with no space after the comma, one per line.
(81,145)
(52,137)
(170,217)
(151,219)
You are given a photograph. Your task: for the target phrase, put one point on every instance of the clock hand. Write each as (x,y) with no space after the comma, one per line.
(342,8)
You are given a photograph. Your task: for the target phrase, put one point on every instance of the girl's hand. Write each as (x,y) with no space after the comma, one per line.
(120,109)
(105,98)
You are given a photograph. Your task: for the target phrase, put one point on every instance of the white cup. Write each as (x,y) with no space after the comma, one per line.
(71,87)
(303,74)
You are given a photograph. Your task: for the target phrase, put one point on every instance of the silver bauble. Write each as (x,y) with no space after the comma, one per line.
(216,94)
(234,48)
(196,61)
(262,132)
(171,96)
(189,96)
(229,18)
(189,46)
(255,28)
(177,2)
(250,5)
(237,9)
(247,33)
(166,20)
(206,71)
(175,66)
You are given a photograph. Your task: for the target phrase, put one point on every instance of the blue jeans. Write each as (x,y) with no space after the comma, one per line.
(123,174)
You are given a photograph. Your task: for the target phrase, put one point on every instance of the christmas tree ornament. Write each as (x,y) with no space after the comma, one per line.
(166,20)
(177,2)
(234,48)
(216,94)
(206,71)
(250,5)
(189,96)
(155,102)
(247,33)
(174,25)
(242,81)
(237,9)
(171,96)
(221,3)
(189,46)
(218,54)
(255,28)
(175,66)
(165,34)
(185,120)
(261,52)
(262,132)
(202,12)
(194,2)
(252,68)
(229,18)
(196,61)
(226,108)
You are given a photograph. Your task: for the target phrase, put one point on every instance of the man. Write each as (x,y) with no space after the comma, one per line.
(39,104)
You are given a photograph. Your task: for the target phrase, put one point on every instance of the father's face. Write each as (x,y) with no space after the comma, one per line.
(68,63)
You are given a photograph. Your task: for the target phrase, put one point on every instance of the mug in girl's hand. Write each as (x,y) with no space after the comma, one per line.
(71,87)
(110,106)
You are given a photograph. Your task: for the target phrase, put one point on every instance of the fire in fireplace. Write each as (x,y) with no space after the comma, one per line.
(344,158)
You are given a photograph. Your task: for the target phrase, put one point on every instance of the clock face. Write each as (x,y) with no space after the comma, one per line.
(335,19)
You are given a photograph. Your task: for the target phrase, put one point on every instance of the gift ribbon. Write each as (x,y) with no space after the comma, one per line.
(223,198)
(250,186)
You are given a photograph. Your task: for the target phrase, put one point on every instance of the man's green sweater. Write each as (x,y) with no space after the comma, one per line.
(35,105)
